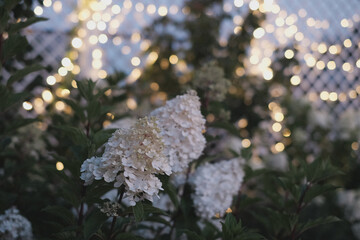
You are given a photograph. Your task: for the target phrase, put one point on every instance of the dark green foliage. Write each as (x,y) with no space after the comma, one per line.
(233,230)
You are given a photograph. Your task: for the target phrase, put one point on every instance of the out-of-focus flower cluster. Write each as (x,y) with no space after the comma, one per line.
(349,125)
(31,141)
(164,143)
(210,79)
(14,226)
(111,209)
(350,201)
(215,186)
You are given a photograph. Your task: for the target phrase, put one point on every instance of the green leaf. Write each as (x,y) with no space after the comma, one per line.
(20,122)
(317,222)
(317,190)
(9,99)
(13,45)
(93,110)
(230,221)
(10,4)
(127,236)
(150,209)
(192,235)
(138,211)
(158,220)
(4,19)
(18,26)
(170,190)
(320,170)
(102,136)
(86,89)
(96,190)
(79,111)
(75,134)
(61,213)
(22,73)
(94,222)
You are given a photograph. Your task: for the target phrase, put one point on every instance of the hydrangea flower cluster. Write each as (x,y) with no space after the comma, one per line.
(210,78)
(215,186)
(14,226)
(164,143)
(131,157)
(181,126)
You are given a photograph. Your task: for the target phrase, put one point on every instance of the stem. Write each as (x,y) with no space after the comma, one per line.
(1,49)
(181,194)
(88,129)
(299,208)
(112,227)
(122,191)
(81,211)
(83,190)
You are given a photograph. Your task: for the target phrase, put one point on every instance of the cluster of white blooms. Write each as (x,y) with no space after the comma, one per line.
(132,157)
(215,186)
(30,139)
(181,124)
(165,142)
(210,78)
(14,226)
(90,170)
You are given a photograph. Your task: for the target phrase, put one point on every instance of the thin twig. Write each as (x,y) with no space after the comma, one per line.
(299,208)
(122,191)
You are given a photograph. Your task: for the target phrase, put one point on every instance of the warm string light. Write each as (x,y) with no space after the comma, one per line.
(286,30)
(98,22)
(97,17)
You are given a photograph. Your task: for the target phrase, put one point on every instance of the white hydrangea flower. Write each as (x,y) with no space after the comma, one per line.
(141,185)
(164,143)
(181,124)
(90,170)
(131,157)
(14,226)
(215,186)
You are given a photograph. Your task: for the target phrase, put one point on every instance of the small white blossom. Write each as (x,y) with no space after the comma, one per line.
(181,124)
(90,170)
(14,226)
(215,186)
(111,209)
